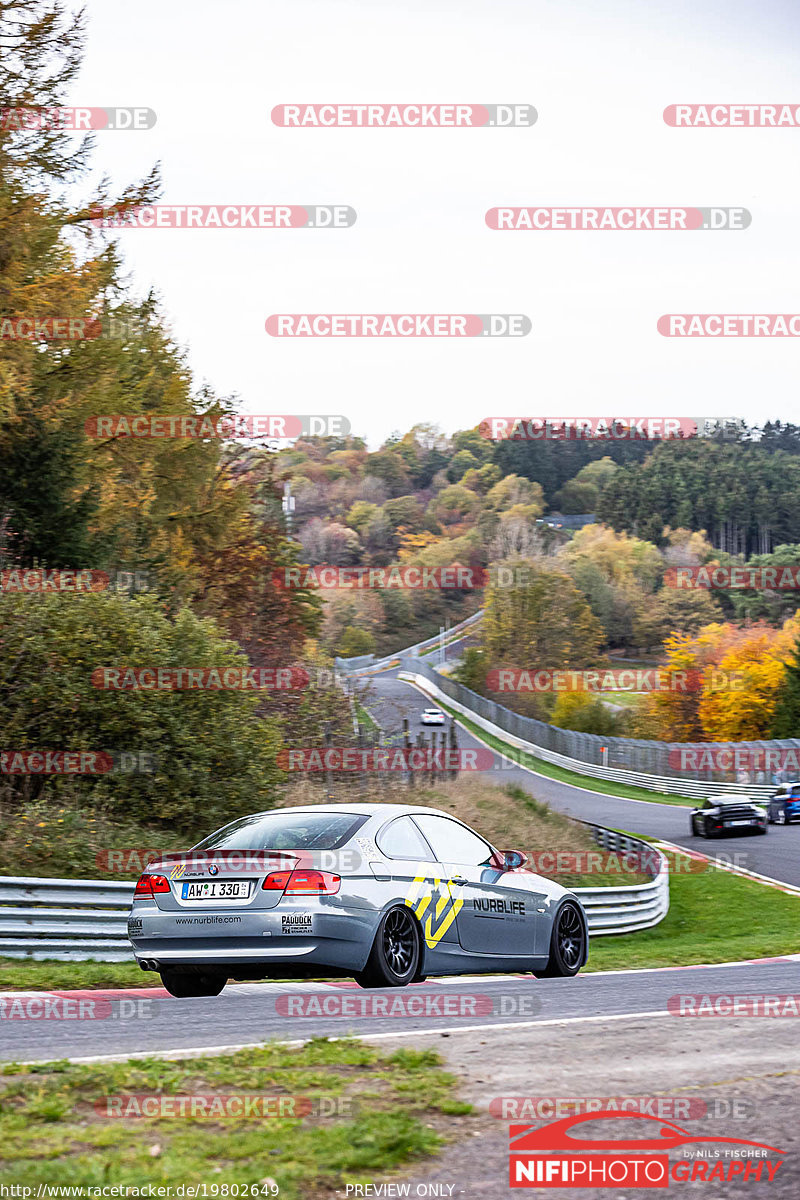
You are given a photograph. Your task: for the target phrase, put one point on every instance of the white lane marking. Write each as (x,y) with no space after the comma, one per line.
(741,962)
(542,775)
(202,1051)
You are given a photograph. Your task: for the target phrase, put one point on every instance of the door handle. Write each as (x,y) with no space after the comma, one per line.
(457,879)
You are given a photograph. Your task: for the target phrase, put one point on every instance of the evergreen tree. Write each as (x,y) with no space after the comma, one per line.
(786,719)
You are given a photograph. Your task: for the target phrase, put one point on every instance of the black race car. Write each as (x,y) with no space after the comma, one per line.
(728,814)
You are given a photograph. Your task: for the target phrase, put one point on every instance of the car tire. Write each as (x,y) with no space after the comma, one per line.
(183,985)
(395,955)
(567,943)
(694,832)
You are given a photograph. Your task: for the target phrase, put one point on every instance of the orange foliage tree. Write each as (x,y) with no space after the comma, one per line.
(739,671)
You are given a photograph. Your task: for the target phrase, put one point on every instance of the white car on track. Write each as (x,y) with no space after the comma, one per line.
(432,716)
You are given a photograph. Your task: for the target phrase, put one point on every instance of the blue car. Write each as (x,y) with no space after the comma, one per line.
(784,806)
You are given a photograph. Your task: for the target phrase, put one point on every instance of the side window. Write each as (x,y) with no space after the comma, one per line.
(401,839)
(452,842)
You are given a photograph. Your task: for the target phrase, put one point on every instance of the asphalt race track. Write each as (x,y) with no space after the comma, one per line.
(610,1034)
(777,855)
(251,1013)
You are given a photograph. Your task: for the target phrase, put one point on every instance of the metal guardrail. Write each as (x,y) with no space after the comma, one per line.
(68,919)
(630,907)
(638,761)
(78,919)
(488,715)
(362,668)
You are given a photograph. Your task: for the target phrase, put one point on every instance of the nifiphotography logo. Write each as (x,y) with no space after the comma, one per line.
(557,1155)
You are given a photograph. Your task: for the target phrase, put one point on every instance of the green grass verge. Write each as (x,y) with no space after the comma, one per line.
(365,717)
(622,790)
(623,699)
(389,1110)
(20,974)
(714,916)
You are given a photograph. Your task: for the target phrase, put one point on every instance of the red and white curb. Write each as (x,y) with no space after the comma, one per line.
(721,865)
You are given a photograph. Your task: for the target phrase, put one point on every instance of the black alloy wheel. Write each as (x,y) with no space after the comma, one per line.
(567,943)
(394,960)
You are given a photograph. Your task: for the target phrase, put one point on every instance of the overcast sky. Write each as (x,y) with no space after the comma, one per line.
(599,74)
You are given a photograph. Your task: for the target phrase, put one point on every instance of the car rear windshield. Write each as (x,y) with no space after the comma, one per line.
(285,831)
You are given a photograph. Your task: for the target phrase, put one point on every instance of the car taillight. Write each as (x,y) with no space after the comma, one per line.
(148,885)
(315,883)
(276,881)
(303,883)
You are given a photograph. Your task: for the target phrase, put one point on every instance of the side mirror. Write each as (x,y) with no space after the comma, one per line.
(508,860)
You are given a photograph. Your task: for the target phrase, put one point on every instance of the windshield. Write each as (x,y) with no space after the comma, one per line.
(285,831)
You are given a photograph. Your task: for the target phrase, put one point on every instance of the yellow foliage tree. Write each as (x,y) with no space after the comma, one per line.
(739,672)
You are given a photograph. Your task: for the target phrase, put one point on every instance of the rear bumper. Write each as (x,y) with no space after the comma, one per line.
(273,938)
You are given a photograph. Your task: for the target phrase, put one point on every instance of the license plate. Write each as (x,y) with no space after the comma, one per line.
(217,889)
(742,822)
